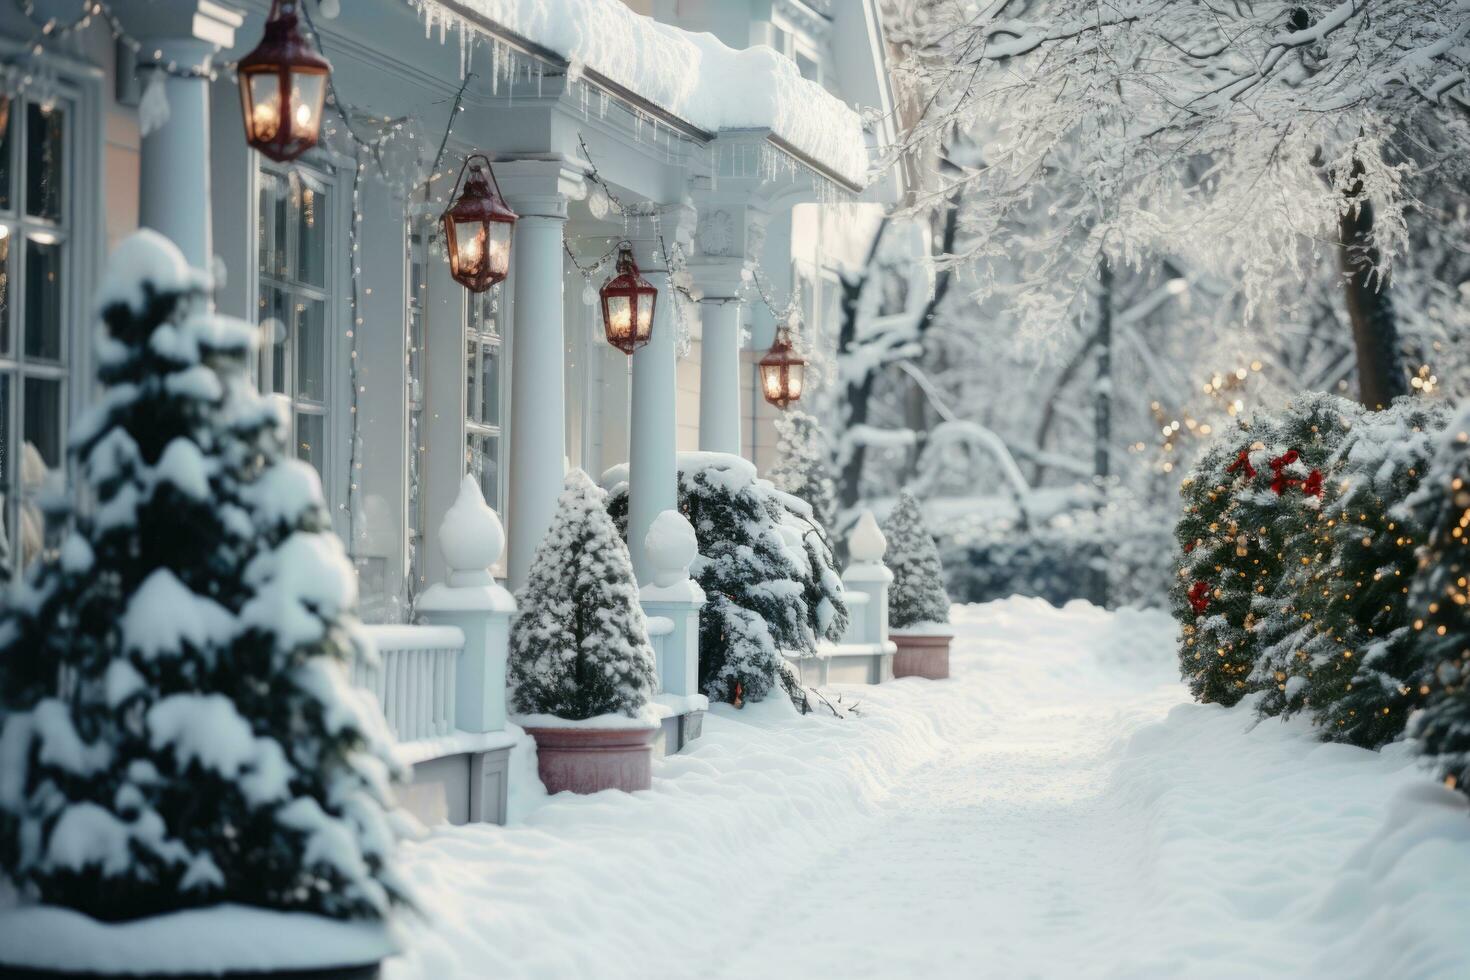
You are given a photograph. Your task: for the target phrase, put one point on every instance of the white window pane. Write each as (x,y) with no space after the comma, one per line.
(311,339)
(43,299)
(311,440)
(45,161)
(489,411)
(311,234)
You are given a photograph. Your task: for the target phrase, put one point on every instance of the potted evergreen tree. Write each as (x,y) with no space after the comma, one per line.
(182,754)
(918,607)
(581,666)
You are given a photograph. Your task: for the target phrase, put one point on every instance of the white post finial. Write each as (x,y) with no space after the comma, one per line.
(867,544)
(671,548)
(471,537)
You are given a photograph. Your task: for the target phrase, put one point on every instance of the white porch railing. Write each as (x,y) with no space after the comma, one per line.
(415,679)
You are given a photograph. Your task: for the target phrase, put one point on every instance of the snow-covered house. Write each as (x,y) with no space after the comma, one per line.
(722,138)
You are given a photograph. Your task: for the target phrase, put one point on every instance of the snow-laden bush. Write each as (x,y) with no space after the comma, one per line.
(1347,591)
(179,728)
(579,643)
(917,596)
(1440,607)
(1063,557)
(770,582)
(1250,491)
(803,468)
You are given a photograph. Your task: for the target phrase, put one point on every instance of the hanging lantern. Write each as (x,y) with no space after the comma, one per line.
(283,85)
(783,370)
(478,227)
(627,304)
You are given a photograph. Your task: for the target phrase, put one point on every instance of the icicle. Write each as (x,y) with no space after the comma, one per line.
(589,293)
(153,109)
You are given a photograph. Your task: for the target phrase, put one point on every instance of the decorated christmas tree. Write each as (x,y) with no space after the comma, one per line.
(916,597)
(579,643)
(770,582)
(1251,491)
(1304,469)
(803,465)
(1360,662)
(178,725)
(1440,608)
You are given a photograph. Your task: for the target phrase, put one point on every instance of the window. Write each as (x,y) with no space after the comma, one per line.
(294,313)
(35,186)
(483,443)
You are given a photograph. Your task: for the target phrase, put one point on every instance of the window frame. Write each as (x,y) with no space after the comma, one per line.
(322,175)
(474,426)
(77,231)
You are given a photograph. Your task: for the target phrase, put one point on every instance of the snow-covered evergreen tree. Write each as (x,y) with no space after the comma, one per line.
(1362,667)
(803,465)
(1250,492)
(1300,482)
(1440,604)
(579,643)
(179,728)
(917,596)
(768,576)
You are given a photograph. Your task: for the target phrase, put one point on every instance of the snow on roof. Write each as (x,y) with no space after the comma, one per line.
(694,76)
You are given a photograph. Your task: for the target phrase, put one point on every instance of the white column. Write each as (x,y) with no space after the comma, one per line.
(719,376)
(652,451)
(538,190)
(174,166)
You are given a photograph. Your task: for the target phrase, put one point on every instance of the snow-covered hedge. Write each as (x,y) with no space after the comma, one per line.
(1302,537)
(770,582)
(1119,554)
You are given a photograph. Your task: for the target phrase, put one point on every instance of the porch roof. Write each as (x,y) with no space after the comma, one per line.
(692,82)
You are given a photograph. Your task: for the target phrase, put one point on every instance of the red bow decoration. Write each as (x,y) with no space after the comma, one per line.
(1312,485)
(1199,597)
(1280,483)
(1243,461)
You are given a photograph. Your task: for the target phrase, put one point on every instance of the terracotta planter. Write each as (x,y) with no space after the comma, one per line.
(921,655)
(589,760)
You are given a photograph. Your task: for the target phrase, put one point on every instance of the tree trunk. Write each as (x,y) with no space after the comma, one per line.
(1369,305)
(1102,391)
(1102,415)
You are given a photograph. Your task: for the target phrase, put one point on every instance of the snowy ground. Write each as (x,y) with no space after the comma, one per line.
(1056,809)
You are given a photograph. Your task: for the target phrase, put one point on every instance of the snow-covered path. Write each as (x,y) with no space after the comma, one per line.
(1053,810)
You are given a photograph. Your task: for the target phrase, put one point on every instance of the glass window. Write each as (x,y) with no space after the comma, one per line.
(35,159)
(294,311)
(6,104)
(45,164)
(43,325)
(482,394)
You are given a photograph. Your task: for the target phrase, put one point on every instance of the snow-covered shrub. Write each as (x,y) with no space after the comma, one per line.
(1347,654)
(179,728)
(917,596)
(579,643)
(1062,557)
(1247,494)
(766,567)
(803,468)
(1440,607)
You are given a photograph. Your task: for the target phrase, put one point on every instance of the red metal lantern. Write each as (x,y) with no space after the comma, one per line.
(283,85)
(478,228)
(627,304)
(783,371)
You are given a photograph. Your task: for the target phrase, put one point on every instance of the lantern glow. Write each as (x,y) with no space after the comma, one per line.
(283,86)
(627,304)
(783,371)
(478,227)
